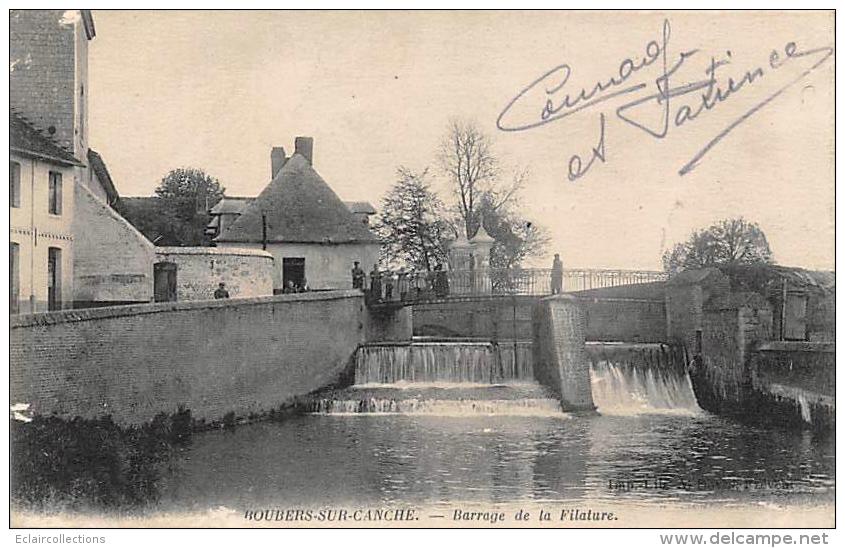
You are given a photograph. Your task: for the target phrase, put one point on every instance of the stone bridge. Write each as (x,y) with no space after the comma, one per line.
(396,289)
(498,305)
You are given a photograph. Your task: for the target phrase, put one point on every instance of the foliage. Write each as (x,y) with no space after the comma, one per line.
(81,464)
(178,213)
(727,242)
(474,175)
(410,224)
(516,237)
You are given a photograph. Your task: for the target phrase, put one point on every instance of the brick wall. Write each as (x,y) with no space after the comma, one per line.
(730,331)
(199,270)
(686,295)
(213,357)
(494,318)
(809,366)
(390,324)
(621,319)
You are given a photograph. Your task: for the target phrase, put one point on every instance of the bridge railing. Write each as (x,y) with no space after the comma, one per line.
(424,286)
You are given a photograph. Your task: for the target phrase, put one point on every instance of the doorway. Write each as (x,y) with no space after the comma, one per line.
(54,278)
(164,282)
(293,270)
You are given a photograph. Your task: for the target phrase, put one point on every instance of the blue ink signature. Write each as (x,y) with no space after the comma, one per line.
(560,102)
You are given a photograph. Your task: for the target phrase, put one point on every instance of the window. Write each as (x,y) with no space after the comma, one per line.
(55,198)
(14,277)
(14,184)
(54,278)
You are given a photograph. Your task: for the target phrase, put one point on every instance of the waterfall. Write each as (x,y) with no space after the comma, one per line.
(456,378)
(447,362)
(639,379)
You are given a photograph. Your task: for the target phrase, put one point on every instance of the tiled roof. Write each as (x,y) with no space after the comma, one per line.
(25,139)
(101,171)
(230,204)
(299,206)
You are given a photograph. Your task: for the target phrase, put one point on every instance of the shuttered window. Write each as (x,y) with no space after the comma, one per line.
(55,199)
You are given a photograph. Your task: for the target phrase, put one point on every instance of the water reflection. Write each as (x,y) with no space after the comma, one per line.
(325,460)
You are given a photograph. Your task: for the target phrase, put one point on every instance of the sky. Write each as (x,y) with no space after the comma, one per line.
(377,90)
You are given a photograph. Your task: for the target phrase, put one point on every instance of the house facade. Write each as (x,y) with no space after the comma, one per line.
(313,235)
(41,206)
(101,258)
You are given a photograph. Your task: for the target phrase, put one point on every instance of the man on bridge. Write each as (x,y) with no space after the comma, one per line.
(557,275)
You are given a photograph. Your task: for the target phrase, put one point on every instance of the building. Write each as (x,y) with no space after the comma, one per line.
(69,247)
(101,258)
(41,205)
(230,207)
(312,235)
(224,213)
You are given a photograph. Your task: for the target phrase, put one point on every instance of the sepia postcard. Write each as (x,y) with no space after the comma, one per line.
(421,269)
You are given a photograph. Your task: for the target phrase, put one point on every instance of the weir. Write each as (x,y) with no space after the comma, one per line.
(631,379)
(454,378)
(449,362)
(458,378)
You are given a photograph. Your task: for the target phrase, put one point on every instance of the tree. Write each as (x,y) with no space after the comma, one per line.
(516,237)
(411,224)
(178,213)
(474,174)
(728,242)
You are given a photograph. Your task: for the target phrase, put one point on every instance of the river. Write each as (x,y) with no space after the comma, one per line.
(432,436)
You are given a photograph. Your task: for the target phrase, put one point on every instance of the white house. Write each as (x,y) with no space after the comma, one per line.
(312,234)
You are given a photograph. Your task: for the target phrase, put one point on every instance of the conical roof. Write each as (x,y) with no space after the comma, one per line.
(299,207)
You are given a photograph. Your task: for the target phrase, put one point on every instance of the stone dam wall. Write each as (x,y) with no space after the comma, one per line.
(238,356)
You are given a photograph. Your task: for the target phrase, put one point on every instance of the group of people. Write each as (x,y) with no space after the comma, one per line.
(383,285)
(375,289)
(291,287)
(438,281)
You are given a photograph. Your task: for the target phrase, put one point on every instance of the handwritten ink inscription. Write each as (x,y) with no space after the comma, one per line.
(557,100)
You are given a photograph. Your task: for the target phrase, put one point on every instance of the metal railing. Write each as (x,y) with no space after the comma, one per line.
(440,284)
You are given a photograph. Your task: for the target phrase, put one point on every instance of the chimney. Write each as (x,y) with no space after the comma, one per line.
(305,146)
(277,161)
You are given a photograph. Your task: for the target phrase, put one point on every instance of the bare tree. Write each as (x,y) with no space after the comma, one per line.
(475,177)
(467,159)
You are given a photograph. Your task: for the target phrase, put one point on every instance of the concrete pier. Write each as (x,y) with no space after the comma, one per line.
(560,359)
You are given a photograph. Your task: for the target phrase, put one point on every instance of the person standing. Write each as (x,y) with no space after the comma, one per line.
(357,276)
(557,275)
(375,284)
(220,292)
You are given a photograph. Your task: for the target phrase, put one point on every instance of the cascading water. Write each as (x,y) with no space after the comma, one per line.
(469,362)
(441,378)
(630,379)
